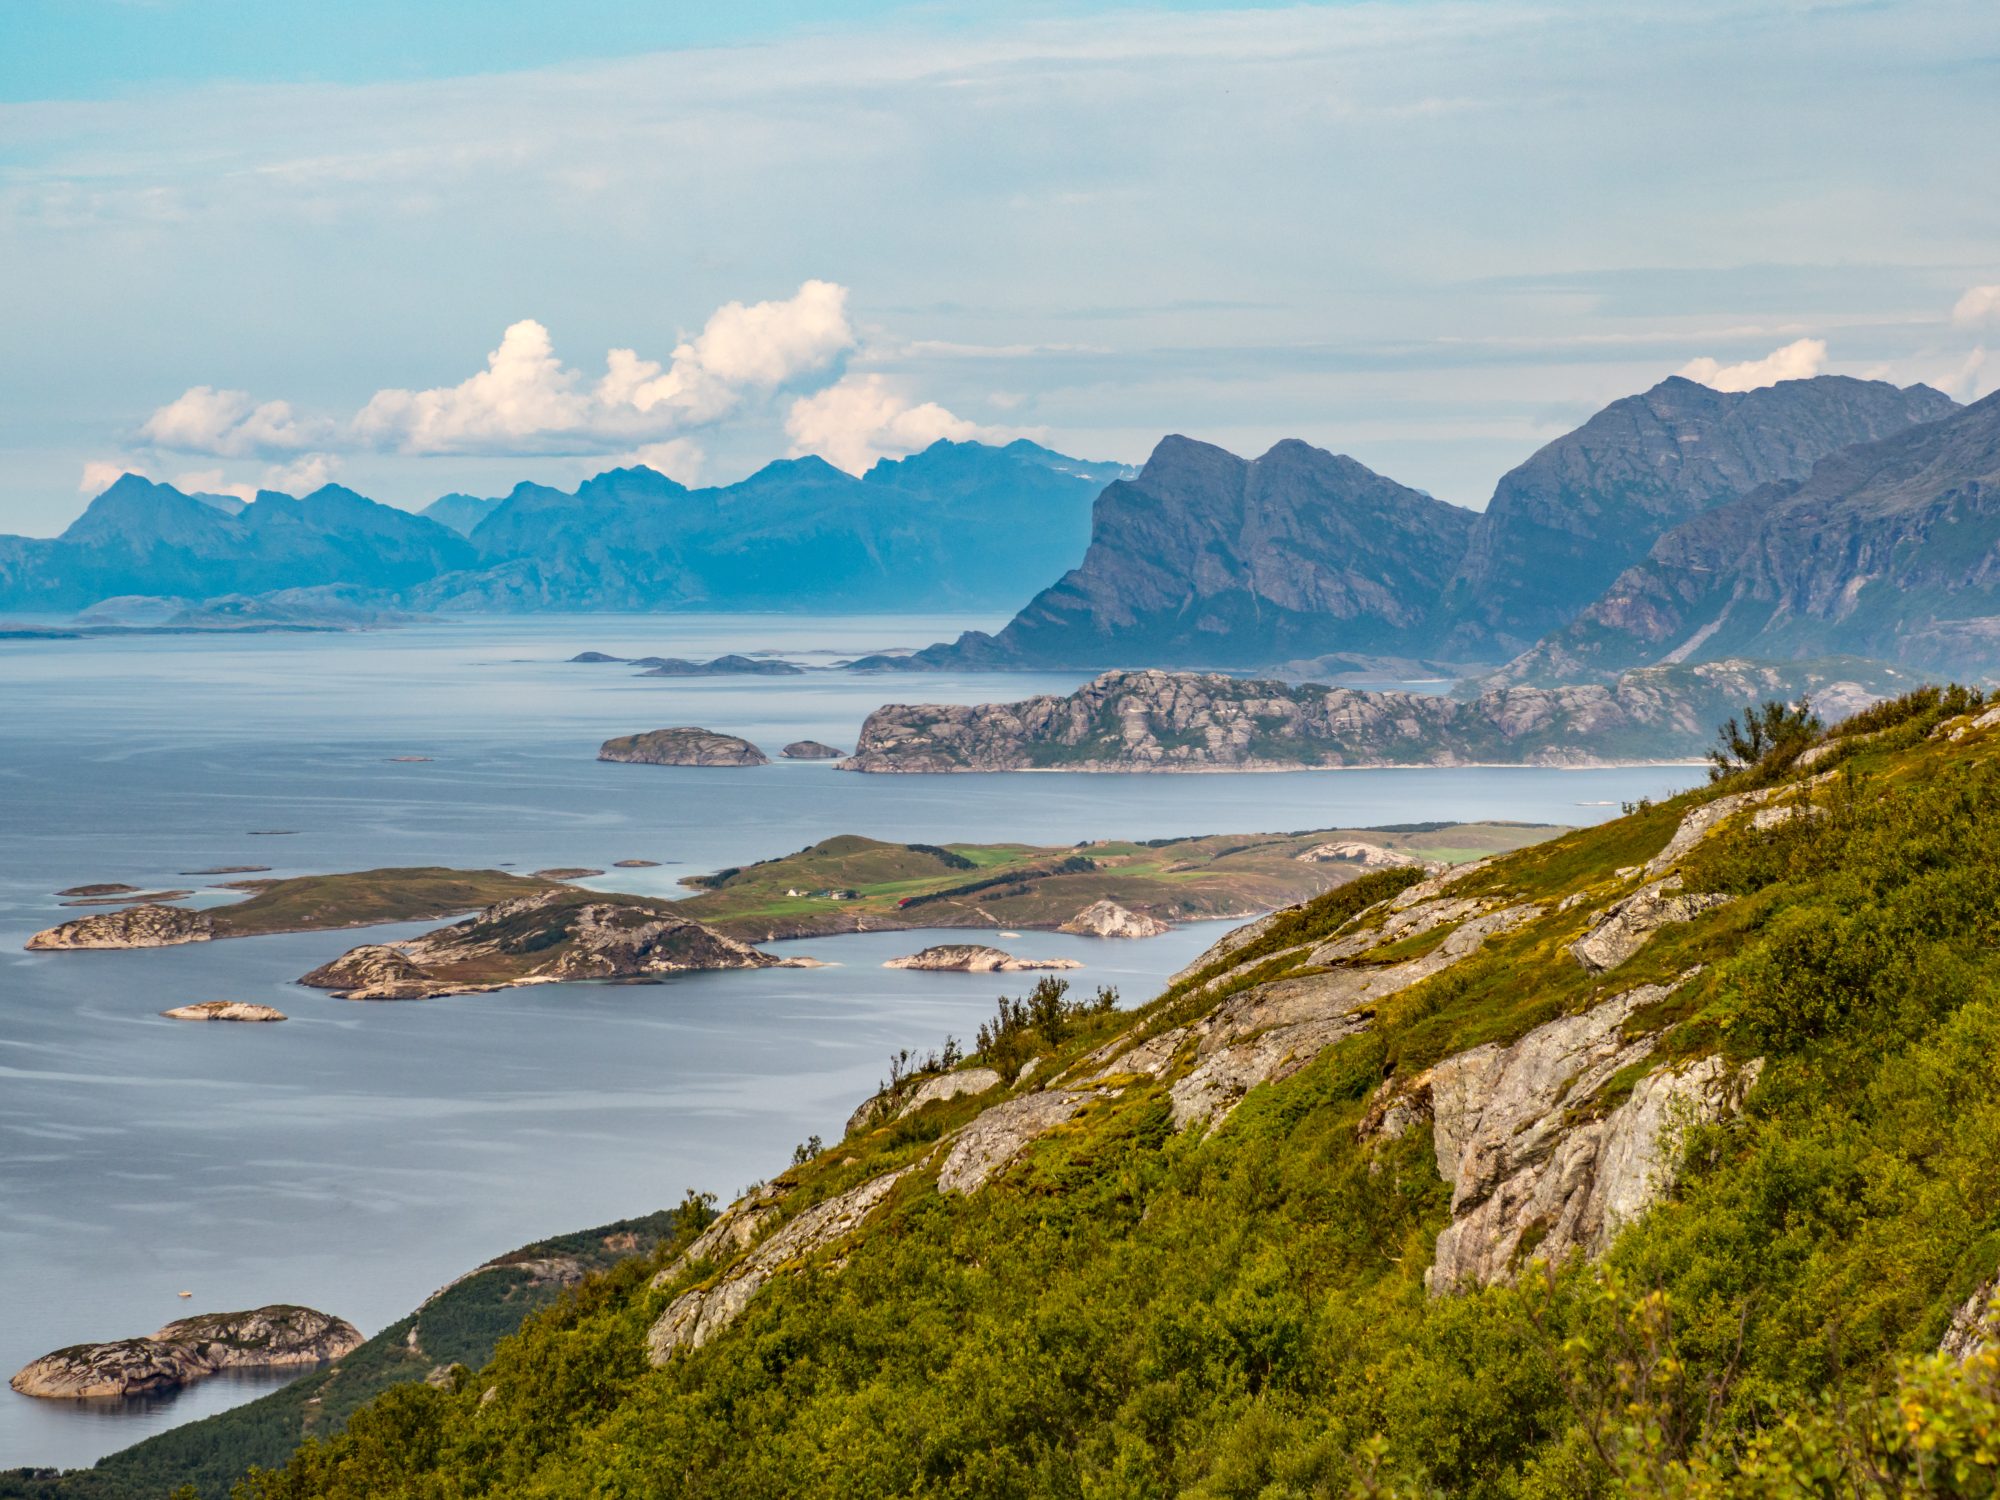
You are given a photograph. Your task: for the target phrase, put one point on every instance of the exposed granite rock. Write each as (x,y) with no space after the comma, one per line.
(1269,1032)
(1699,823)
(223,1010)
(974,958)
(732,1232)
(1150,1058)
(695,1317)
(1975,1325)
(1192,721)
(1622,929)
(683,746)
(1107,919)
(1002,1133)
(952,1085)
(1356,852)
(809,750)
(1533,1168)
(551,936)
(188,1349)
(134,927)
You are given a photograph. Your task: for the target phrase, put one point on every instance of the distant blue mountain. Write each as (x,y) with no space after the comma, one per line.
(462,513)
(960,525)
(141,538)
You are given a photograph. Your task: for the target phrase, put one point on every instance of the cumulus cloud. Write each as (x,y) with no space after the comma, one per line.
(228,424)
(1978,307)
(1798,360)
(303,475)
(527,400)
(861,418)
(677,458)
(99,474)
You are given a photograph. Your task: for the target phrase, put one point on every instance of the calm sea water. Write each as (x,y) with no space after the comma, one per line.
(359,1156)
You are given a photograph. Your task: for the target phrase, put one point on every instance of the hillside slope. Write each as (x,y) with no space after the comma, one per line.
(1654,1159)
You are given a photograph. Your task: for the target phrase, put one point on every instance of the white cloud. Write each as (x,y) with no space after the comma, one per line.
(1978,306)
(1799,360)
(229,424)
(861,418)
(527,401)
(303,475)
(99,474)
(212,482)
(677,458)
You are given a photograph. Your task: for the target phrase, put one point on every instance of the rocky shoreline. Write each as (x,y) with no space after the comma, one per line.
(187,1350)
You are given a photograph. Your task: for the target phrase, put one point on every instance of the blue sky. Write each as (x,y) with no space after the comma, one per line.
(396,244)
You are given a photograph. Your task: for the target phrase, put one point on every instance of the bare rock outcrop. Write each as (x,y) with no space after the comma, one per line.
(1534,1167)
(810,750)
(1269,1032)
(695,1317)
(1625,927)
(1357,852)
(1002,1133)
(1107,919)
(187,1350)
(954,1085)
(974,958)
(133,927)
(1976,1324)
(223,1010)
(1699,823)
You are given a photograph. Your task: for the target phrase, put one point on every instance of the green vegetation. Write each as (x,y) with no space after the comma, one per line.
(1136,1311)
(309,903)
(460,1326)
(848,882)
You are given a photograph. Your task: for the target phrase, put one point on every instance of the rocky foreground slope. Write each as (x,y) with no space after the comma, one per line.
(1195,721)
(1554,1175)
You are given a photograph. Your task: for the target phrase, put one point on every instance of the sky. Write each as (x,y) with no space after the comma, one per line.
(421,248)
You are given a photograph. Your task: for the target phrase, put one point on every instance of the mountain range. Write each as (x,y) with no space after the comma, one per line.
(1205,560)
(1812,518)
(959,525)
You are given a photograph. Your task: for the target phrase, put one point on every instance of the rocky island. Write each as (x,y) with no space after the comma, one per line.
(305,903)
(554,936)
(1206,721)
(223,1010)
(1107,919)
(809,750)
(683,746)
(974,958)
(188,1349)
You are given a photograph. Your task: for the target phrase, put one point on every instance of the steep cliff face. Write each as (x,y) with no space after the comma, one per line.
(1187,721)
(1207,559)
(1890,550)
(1564,524)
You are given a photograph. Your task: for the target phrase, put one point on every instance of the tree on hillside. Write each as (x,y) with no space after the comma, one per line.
(1773,729)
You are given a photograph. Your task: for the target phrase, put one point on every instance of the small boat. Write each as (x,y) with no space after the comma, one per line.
(183,1294)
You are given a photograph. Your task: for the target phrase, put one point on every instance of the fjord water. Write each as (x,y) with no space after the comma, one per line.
(356,1157)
